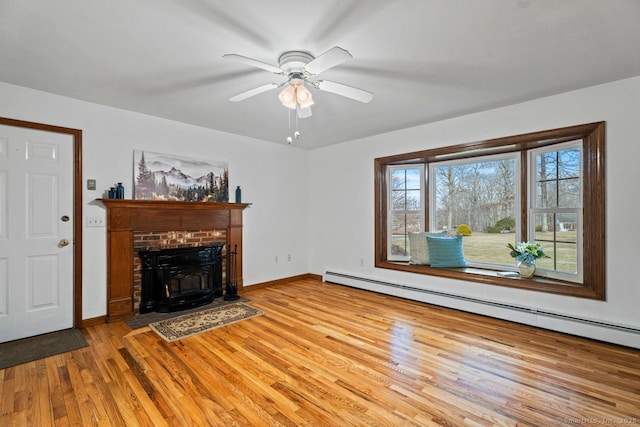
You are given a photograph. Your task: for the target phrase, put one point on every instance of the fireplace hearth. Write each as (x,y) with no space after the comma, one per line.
(180,278)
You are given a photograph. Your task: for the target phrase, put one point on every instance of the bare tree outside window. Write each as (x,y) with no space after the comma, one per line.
(557,208)
(480,194)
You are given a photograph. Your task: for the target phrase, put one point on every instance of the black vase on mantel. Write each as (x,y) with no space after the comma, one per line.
(119,191)
(238,194)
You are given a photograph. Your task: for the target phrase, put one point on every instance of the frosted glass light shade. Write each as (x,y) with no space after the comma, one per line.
(288,97)
(304,97)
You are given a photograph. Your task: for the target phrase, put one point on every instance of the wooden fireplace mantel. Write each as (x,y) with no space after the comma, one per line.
(124,217)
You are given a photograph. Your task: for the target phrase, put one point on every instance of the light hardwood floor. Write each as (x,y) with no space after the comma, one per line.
(328,355)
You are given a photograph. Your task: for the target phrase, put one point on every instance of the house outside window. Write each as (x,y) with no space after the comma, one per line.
(522,188)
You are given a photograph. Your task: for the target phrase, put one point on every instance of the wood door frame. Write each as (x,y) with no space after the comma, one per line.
(77,205)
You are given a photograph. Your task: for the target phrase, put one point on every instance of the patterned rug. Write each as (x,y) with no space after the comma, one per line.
(142,320)
(205,320)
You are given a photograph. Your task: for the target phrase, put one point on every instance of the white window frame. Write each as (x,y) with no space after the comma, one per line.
(488,158)
(390,211)
(532,210)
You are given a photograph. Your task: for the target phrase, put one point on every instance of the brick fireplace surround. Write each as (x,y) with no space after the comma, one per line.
(133,225)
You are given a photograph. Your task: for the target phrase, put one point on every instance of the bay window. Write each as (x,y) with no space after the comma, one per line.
(545,187)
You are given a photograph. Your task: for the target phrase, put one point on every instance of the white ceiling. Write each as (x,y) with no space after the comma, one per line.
(425,60)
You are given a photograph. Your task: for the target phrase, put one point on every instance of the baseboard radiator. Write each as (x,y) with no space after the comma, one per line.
(589,328)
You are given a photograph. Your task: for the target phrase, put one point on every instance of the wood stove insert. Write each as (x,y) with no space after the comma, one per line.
(180,278)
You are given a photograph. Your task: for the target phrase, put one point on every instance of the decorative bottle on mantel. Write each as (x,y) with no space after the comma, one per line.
(238,194)
(119,191)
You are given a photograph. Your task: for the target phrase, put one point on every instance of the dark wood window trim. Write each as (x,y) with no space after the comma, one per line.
(594,233)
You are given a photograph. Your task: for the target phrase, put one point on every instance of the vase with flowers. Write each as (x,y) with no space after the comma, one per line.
(526,254)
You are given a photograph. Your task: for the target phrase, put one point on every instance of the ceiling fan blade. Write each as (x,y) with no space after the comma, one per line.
(252,62)
(253,92)
(344,90)
(303,113)
(334,56)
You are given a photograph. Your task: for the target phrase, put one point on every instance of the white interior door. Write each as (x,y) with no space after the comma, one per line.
(36,232)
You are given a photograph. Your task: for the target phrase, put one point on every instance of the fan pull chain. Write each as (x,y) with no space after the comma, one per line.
(289,139)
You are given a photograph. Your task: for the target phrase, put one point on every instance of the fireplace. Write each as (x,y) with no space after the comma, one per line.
(180,278)
(154,222)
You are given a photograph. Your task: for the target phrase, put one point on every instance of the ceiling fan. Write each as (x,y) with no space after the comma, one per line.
(298,66)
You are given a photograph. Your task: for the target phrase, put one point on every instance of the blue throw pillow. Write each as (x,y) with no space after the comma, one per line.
(446,252)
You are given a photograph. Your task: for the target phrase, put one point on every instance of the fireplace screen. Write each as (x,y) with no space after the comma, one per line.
(180,278)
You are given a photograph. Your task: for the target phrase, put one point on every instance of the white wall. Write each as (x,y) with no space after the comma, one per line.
(273,178)
(333,227)
(342,184)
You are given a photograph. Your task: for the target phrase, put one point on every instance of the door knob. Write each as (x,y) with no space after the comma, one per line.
(65,218)
(63,243)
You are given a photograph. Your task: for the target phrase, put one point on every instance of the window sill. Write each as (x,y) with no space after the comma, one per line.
(470,274)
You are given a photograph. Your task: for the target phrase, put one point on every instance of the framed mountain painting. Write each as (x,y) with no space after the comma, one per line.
(159,176)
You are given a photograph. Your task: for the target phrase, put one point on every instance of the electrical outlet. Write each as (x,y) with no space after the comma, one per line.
(276,259)
(361,262)
(95,221)
(289,257)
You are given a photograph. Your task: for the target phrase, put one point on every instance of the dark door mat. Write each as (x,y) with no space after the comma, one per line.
(142,320)
(25,350)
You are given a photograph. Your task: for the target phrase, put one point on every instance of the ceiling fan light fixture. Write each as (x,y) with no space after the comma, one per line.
(304,97)
(296,66)
(288,97)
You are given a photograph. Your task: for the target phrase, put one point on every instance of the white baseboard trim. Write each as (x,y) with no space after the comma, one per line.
(588,328)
